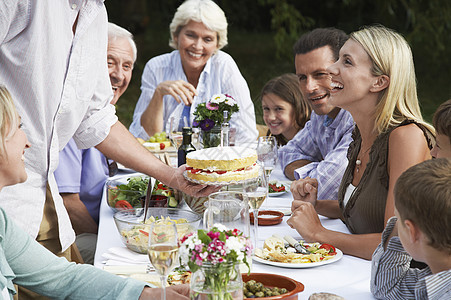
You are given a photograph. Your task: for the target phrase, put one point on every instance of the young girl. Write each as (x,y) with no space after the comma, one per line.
(373,79)
(285,111)
(25,262)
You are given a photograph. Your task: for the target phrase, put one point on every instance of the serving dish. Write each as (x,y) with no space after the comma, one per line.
(135,233)
(267,217)
(273,280)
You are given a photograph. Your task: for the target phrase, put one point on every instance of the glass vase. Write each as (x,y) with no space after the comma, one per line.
(217,282)
(212,137)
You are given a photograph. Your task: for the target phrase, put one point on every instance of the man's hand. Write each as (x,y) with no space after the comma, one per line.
(304,190)
(181,90)
(306,221)
(179,182)
(175,292)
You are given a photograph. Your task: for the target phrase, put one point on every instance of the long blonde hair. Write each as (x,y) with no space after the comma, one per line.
(392,56)
(9,119)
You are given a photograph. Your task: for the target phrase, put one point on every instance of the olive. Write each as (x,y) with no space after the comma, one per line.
(283,291)
(259,294)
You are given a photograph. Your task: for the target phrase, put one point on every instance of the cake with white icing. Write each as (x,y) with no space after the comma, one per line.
(222,164)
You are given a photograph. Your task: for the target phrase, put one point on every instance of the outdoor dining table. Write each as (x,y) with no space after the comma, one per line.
(348,277)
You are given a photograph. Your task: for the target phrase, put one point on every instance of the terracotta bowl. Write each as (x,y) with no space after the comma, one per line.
(267,217)
(273,280)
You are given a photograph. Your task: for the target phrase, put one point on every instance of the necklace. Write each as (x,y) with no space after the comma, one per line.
(358,161)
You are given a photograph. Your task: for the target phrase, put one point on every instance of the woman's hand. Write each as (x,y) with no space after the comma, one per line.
(306,221)
(304,190)
(181,90)
(175,292)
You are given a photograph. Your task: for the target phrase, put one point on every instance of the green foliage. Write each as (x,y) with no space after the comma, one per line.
(262,34)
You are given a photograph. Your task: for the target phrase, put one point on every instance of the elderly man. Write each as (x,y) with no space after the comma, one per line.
(81,173)
(318,150)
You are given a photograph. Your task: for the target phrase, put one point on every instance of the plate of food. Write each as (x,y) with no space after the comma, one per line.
(276,189)
(275,253)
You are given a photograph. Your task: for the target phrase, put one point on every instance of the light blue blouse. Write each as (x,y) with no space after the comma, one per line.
(220,75)
(25,262)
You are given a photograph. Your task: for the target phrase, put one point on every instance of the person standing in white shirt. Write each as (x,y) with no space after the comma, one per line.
(52,58)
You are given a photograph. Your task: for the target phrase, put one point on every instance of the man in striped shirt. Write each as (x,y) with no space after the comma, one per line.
(420,230)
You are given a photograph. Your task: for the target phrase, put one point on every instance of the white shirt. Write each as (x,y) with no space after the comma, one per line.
(219,76)
(61,88)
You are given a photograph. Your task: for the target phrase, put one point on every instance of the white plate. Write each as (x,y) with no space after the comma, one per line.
(336,258)
(276,194)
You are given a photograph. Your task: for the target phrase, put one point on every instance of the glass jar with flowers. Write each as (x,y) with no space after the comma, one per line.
(209,116)
(214,257)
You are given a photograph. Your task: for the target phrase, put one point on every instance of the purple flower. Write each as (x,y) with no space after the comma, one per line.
(212,106)
(195,123)
(207,124)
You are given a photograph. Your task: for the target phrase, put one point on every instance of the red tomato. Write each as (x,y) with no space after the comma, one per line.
(162,145)
(221,172)
(123,204)
(329,248)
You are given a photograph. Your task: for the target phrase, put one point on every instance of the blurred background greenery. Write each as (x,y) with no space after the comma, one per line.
(261,34)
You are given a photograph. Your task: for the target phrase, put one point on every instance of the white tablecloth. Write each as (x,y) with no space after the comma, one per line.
(348,277)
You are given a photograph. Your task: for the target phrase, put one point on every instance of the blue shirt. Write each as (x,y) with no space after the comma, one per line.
(83,172)
(25,262)
(325,144)
(392,277)
(219,76)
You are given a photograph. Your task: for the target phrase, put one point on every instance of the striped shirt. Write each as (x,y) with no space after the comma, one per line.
(59,82)
(219,76)
(325,144)
(392,277)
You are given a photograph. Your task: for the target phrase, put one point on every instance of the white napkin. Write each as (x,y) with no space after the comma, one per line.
(124,256)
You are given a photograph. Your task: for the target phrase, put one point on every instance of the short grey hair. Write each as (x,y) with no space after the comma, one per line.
(115,32)
(205,11)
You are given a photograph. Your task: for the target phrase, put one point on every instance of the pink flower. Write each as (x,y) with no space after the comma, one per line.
(212,106)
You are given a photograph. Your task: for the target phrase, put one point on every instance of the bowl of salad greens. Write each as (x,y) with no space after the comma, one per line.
(130,192)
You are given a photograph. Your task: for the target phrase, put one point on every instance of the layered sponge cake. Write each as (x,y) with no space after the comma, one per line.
(222,164)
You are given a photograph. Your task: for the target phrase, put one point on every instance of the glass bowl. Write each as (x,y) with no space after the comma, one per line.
(135,234)
(120,197)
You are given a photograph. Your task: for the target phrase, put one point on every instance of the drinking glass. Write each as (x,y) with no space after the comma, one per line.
(257,191)
(229,208)
(267,153)
(163,249)
(175,136)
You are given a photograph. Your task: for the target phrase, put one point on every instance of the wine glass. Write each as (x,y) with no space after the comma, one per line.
(163,249)
(175,136)
(267,153)
(257,191)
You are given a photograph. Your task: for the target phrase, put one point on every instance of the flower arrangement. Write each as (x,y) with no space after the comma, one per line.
(215,256)
(210,113)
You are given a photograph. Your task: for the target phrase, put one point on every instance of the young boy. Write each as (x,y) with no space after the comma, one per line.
(419,230)
(442,124)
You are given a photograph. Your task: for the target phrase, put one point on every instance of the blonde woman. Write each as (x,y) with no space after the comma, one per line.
(374,79)
(26,263)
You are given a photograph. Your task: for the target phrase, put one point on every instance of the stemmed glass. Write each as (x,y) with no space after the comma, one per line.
(257,191)
(175,136)
(267,153)
(163,249)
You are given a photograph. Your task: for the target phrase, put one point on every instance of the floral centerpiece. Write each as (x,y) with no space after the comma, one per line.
(214,257)
(210,115)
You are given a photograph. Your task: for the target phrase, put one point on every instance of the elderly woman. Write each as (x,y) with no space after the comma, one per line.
(373,79)
(26,263)
(173,84)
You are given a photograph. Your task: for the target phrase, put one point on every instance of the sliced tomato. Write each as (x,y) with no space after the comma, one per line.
(194,171)
(221,172)
(329,248)
(144,232)
(123,204)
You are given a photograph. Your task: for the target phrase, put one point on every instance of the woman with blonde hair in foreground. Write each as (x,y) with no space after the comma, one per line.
(24,262)
(374,79)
